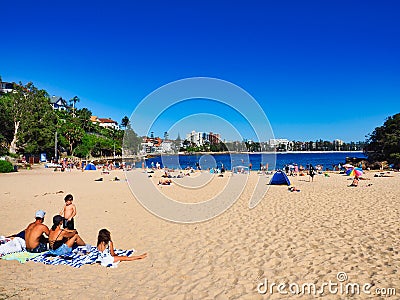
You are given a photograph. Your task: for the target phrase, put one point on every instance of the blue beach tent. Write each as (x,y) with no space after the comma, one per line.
(279,178)
(90,167)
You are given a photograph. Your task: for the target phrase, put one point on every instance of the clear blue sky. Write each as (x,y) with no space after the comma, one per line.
(319,69)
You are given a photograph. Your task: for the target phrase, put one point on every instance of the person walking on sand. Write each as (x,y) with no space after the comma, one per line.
(34,239)
(311,172)
(106,249)
(68,212)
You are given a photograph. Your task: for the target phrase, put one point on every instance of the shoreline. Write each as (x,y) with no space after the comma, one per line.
(249,153)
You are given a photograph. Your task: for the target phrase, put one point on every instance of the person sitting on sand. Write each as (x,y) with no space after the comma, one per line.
(106,249)
(35,241)
(166,175)
(61,241)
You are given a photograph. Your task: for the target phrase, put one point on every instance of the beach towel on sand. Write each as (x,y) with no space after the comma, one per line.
(77,258)
(22,256)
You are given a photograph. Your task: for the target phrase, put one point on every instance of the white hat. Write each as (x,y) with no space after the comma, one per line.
(40,214)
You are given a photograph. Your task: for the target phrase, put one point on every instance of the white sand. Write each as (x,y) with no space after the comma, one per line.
(292,237)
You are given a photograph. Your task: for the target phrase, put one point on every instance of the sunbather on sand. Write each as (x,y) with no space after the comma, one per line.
(106,249)
(293,189)
(165,182)
(383,175)
(354,183)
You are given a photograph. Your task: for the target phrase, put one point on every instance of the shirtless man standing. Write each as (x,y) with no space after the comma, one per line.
(34,234)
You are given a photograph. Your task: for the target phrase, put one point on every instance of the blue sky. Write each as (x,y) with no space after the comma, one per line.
(318,69)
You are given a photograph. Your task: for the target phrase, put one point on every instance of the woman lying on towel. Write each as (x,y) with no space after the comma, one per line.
(61,241)
(106,248)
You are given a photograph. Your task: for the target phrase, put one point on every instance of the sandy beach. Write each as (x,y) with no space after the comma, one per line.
(289,237)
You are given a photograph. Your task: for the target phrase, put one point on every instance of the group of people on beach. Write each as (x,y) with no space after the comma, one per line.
(68,164)
(62,237)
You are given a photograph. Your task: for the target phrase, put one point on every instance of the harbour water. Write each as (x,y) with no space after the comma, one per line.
(229,160)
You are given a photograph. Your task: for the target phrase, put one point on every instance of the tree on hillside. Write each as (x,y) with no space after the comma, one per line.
(131,141)
(83,116)
(37,130)
(32,118)
(86,147)
(73,133)
(73,102)
(384,142)
(6,126)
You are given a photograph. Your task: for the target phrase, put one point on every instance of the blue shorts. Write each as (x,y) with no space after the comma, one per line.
(62,250)
(40,248)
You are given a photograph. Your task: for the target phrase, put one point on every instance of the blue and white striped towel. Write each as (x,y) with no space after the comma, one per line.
(77,258)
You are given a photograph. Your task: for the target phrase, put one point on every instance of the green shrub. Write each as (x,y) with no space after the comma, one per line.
(6,166)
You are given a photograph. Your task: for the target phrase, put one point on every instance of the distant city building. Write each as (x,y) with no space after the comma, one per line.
(147,147)
(214,138)
(275,143)
(151,145)
(202,138)
(195,138)
(58,103)
(338,144)
(167,147)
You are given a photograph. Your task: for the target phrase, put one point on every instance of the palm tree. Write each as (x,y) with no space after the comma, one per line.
(125,122)
(73,101)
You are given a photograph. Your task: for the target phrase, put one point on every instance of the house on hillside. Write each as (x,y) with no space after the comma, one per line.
(6,87)
(104,122)
(58,103)
(94,120)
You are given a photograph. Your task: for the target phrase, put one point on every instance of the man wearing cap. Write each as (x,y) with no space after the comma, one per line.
(35,241)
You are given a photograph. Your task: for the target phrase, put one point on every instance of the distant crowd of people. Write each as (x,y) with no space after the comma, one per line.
(68,164)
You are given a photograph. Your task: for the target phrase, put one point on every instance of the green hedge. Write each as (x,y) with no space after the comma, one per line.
(6,166)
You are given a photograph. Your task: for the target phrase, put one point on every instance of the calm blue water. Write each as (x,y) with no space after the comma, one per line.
(232,160)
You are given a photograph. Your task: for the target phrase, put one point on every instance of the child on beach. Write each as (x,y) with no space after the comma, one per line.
(106,248)
(68,212)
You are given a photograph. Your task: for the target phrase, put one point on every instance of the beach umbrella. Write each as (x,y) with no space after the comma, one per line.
(356,172)
(350,170)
